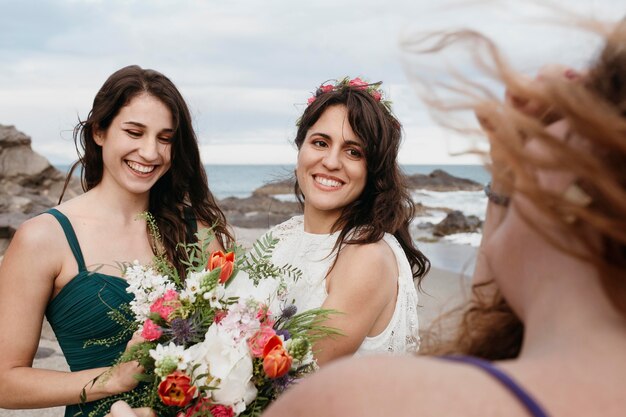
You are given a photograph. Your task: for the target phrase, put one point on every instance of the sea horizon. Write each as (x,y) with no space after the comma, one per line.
(240,180)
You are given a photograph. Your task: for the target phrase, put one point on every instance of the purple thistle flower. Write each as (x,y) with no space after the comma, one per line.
(289,311)
(284,333)
(181,331)
(282,383)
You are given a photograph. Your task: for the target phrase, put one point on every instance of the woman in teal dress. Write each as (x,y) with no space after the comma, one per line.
(139,153)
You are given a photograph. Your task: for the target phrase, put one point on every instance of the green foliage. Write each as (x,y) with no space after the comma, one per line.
(258,262)
(198,252)
(308,325)
(140,353)
(120,316)
(160,262)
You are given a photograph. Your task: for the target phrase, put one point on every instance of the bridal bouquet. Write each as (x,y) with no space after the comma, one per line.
(222,342)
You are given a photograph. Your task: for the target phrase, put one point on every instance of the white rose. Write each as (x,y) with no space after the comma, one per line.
(230,363)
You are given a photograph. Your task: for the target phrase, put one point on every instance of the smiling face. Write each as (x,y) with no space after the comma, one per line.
(331,168)
(136,147)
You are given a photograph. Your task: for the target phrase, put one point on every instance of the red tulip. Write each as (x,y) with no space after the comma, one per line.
(224,261)
(176,389)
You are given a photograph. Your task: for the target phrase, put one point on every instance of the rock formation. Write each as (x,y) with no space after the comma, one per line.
(457,222)
(440,180)
(258,211)
(29,185)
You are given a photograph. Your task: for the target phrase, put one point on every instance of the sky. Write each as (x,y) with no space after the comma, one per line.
(247,67)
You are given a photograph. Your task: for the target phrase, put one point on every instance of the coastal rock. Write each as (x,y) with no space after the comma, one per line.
(457,222)
(258,211)
(275,188)
(440,180)
(29,184)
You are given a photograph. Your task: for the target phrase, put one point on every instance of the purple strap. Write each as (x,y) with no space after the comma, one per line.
(527,401)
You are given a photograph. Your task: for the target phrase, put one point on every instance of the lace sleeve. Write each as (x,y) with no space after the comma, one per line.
(286,228)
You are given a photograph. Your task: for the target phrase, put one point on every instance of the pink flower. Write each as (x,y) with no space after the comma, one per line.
(219,316)
(201,406)
(357,82)
(376,94)
(263,315)
(311,100)
(222,411)
(327,88)
(257,342)
(151,331)
(165,305)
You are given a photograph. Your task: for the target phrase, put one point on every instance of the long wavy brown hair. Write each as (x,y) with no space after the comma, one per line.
(184,185)
(595,111)
(385,205)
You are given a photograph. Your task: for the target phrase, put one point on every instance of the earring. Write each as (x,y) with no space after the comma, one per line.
(576,196)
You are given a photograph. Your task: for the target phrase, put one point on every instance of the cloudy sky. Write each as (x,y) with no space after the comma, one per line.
(246,67)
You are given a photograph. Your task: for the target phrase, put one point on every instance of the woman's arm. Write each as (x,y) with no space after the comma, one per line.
(363,287)
(27,274)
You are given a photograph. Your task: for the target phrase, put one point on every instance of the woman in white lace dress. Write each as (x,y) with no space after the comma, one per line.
(353,244)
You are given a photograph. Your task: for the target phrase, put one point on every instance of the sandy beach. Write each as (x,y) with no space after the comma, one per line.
(441,289)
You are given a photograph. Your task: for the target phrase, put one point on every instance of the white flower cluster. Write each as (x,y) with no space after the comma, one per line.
(146,285)
(193,284)
(169,358)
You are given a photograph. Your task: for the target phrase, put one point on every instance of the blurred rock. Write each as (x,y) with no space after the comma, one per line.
(457,222)
(29,184)
(440,180)
(275,188)
(258,211)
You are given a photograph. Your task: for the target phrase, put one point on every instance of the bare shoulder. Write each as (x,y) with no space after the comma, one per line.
(398,386)
(377,255)
(40,238)
(373,263)
(38,233)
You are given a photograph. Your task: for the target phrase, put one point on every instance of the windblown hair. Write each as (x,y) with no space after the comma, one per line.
(385,205)
(594,151)
(183,185)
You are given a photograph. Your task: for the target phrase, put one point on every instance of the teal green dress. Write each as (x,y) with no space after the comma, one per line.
(80,313)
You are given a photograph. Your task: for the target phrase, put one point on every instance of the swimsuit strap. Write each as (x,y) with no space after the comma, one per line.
(524,397)
(70,235)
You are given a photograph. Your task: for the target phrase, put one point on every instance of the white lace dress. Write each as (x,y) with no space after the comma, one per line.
(310,253)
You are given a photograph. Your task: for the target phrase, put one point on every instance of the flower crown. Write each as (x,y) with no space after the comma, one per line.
(373,89)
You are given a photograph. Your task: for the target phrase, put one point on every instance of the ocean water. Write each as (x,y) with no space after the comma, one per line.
(241,180)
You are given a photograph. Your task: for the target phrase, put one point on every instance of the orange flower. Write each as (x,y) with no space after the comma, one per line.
(225,261)
(271,343)
(176,389)
(277,362)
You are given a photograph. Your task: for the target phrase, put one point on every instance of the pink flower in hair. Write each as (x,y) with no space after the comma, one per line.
(376,94)
(357,82)
(311,100)
(327,88)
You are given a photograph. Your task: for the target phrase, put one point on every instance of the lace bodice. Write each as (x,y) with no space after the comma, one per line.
(311,253)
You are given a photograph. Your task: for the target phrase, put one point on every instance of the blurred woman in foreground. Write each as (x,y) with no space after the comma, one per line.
(549,305)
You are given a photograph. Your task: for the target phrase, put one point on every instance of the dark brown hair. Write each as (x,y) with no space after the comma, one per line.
(385,205)
(183,185)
